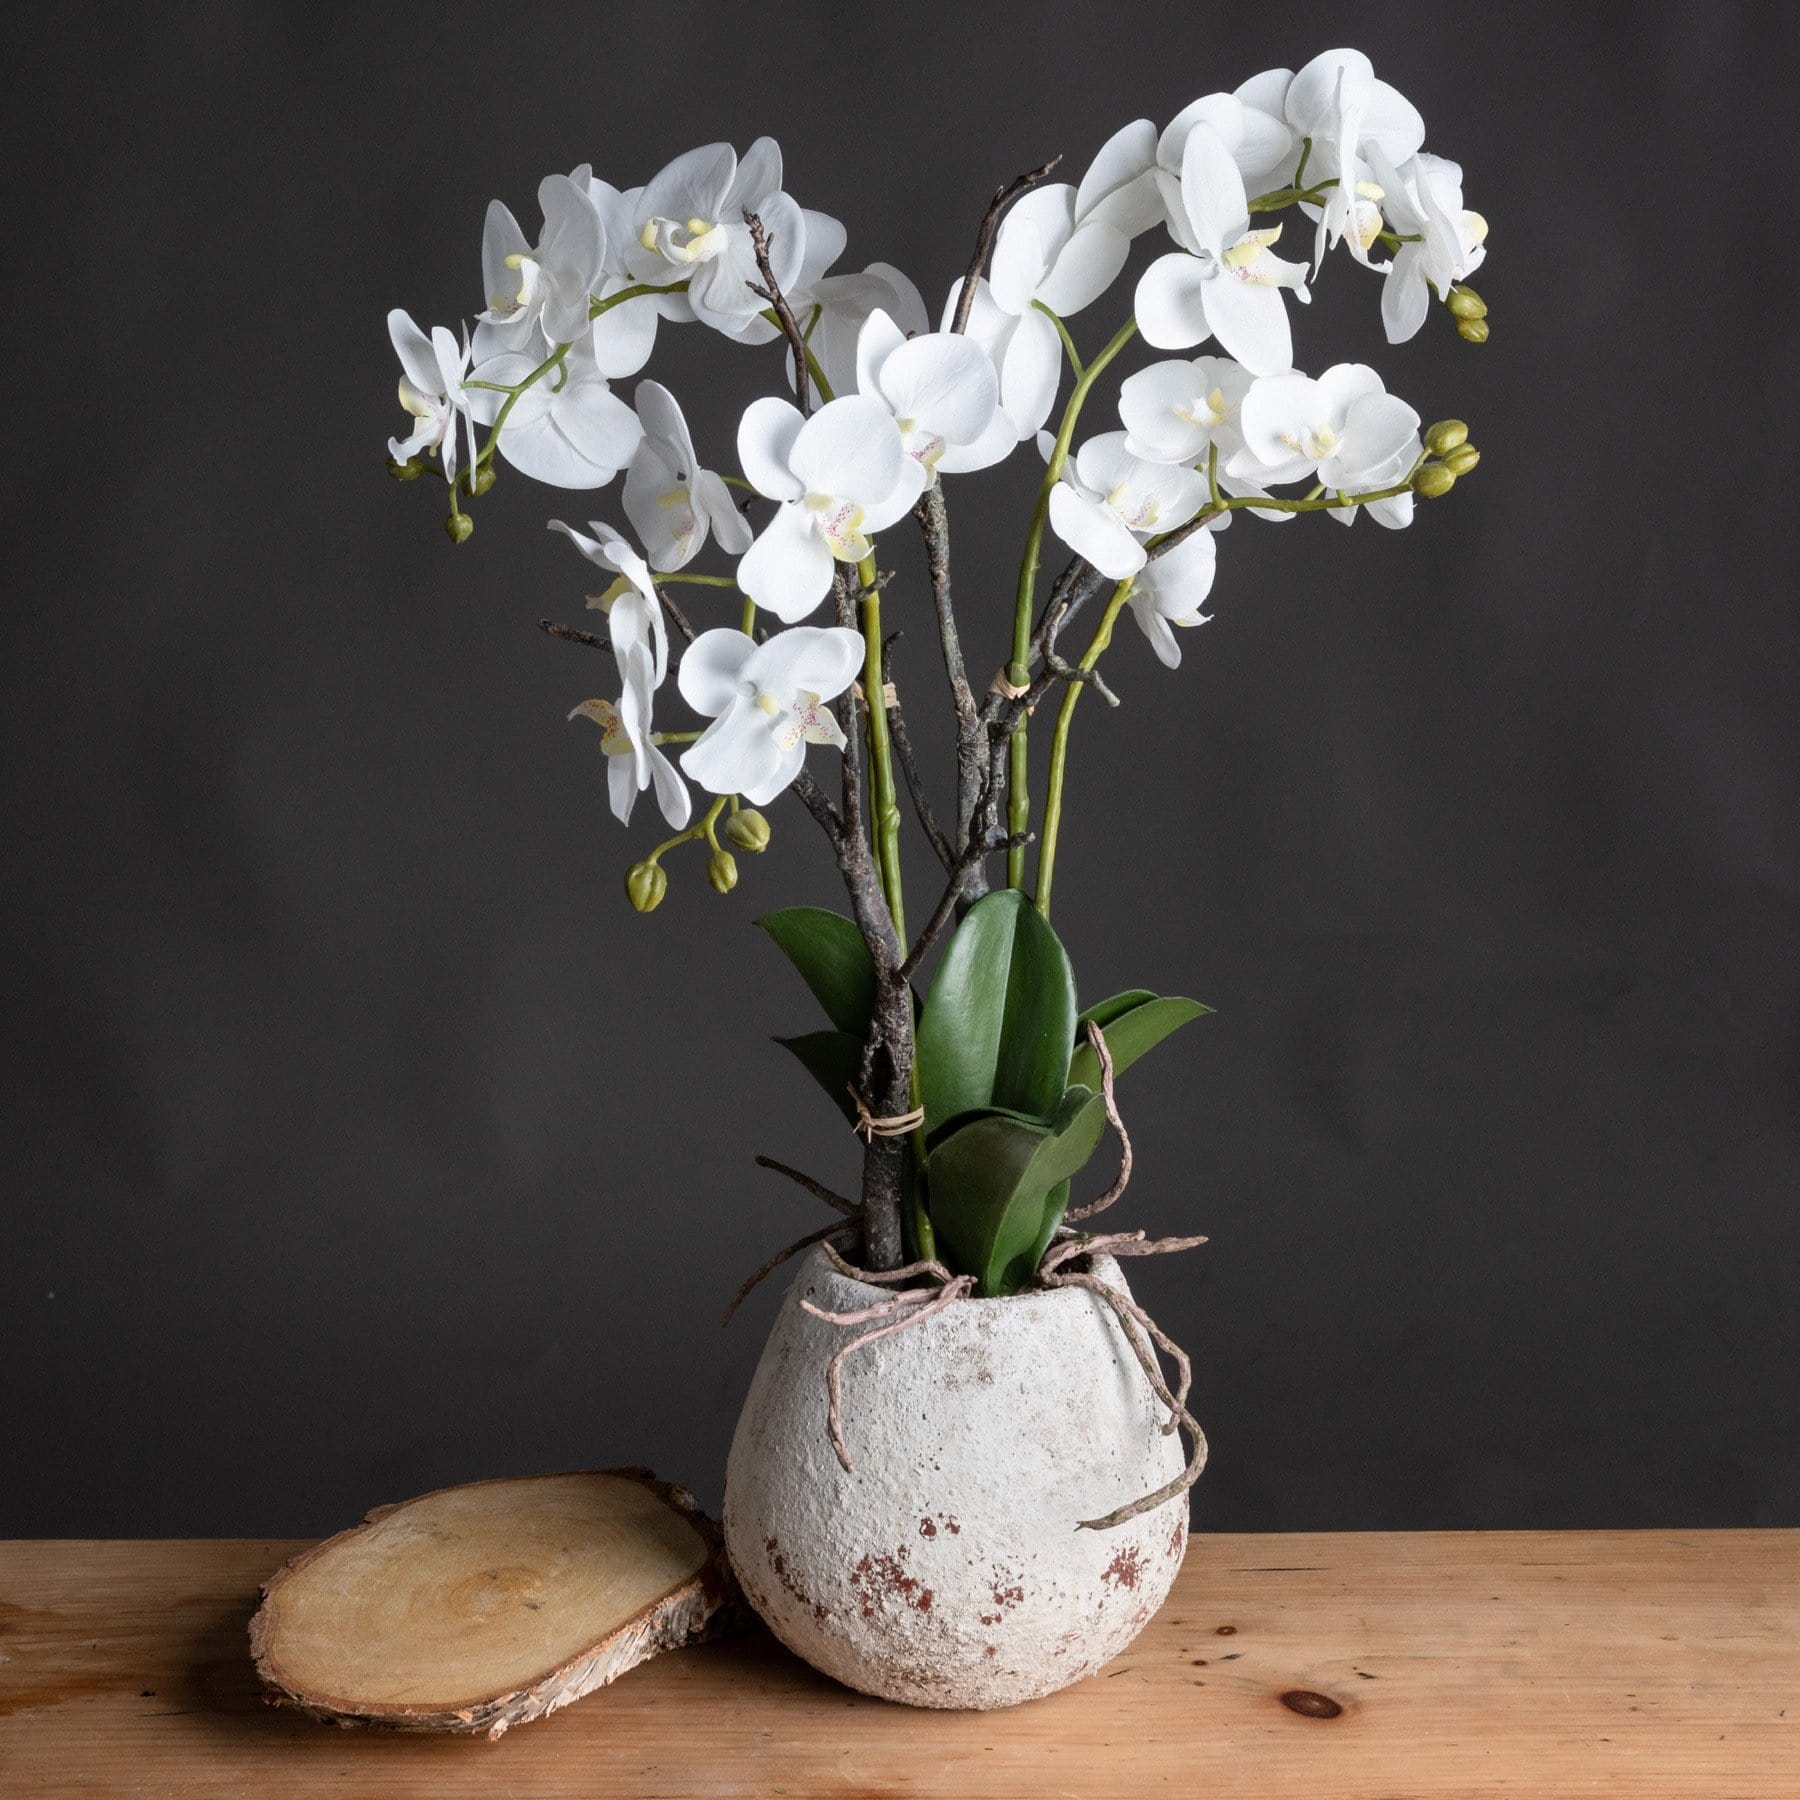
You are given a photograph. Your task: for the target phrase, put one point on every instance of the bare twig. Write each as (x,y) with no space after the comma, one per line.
(770,290)
(682,623)
(573,634)
(817,1189)
(824,1234)
(984,238)
(909,768)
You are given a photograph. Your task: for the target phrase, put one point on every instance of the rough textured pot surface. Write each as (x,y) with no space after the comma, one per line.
(948,1570)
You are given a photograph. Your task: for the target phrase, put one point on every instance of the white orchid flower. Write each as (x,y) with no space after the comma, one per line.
(1249,122)
(1047,253)
(833,309)
(767,702)
(1424,201)
(1170,589)
(1344,430)
(1223,282)
(942,391)
(634,761)
(568,429)
(839,476)
(548,283)
(671,501)
(689,222)
(1108,501)
(634,614)
(1337,102)
(432,370)
(625,335)
(1178,411)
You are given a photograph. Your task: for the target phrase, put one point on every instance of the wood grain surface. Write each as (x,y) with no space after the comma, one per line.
(1383,1666)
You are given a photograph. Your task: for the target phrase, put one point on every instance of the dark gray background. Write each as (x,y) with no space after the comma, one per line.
(358,1139)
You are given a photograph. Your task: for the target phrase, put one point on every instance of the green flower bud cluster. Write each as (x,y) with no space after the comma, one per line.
(1470,312)
(1448,442)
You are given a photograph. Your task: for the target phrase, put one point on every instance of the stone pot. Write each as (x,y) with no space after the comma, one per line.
(949,1569)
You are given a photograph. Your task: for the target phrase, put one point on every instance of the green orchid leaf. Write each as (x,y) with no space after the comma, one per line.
(1000,1018)
(999,1188)
(1103,1012)
(833,1059)
(832,959)
(1130,1033)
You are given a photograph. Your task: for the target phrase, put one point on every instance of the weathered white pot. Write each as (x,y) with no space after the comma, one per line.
(948,1570)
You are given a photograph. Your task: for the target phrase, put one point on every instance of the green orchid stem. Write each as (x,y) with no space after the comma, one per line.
(1018,806)
(702,830)
(555,360)
(1059,745)
(885,817)
(724,581)
(1062,331)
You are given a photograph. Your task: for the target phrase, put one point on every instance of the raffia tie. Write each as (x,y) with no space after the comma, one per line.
(869,1126)
(1011,689)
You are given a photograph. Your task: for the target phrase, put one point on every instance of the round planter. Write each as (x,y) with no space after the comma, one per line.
(949,1569)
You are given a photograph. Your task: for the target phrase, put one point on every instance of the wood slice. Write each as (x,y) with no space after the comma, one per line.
(477,1608)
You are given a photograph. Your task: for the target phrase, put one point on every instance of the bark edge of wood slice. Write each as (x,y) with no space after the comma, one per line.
(479,1607)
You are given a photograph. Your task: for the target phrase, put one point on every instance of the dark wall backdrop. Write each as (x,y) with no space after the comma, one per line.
(359,1139)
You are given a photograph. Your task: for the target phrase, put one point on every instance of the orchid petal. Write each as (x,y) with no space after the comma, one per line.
(765,445)
(1170,302)
(787,570)
(1093,531)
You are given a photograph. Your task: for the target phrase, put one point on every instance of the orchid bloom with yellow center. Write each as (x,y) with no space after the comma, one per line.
(838,477)
(1224,282)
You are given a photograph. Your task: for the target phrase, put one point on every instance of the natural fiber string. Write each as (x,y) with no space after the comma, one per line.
(868,1126)
(1011,689)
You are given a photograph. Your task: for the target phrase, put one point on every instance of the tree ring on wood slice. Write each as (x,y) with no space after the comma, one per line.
(477,1608)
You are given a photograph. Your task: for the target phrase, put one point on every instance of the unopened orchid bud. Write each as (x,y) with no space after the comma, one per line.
(459,528)
(404,471)
(1465,303)
(645,885)
(1433,481)
(721,871)
(1472,331)
(476,482)
(749,830)
(1445,435)
(1462,459)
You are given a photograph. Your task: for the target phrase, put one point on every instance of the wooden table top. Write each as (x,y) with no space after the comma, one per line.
(1540,1664)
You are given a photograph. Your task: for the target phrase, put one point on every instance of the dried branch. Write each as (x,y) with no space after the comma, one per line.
(984,238)
(909,768)
(573,634)
(682,623)
(770,290)
(823,1235)
(817,1189)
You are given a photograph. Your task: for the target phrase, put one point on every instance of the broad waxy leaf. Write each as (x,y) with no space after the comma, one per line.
(832,958)
(833,1059)
(1103,1012)
(1129,1033)
(999,1188)
(1000,1019)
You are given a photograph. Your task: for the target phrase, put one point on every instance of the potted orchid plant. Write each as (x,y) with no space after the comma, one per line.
(938,1561)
